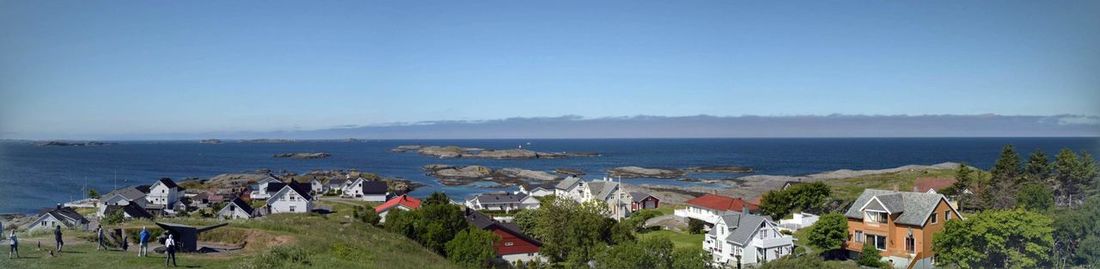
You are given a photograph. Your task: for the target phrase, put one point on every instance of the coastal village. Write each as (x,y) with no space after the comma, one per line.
(894,218)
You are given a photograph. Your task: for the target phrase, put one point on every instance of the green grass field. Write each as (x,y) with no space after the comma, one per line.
(850,188)
(679,240)
(279,241)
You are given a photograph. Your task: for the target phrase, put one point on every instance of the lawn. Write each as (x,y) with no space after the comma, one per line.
(848,189)
(679,240)
(332,241)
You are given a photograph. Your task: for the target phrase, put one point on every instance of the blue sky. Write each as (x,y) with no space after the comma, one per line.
(96,68)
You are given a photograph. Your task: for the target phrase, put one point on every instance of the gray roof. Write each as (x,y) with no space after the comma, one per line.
(913,207)
(602,189)
(127,193)
(499,198)
(742,225)
(567,183)
(66,215)
(639,196)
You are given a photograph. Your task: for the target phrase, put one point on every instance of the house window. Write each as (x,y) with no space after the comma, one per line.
(508,244)
(934,218)
(292,208)
(859,236)
(910,245)
(878,217)
(878,240)
(947,215)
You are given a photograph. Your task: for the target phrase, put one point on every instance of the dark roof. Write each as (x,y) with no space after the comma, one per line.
(129,193)
(131,209)
(168,182)
(302,188)
(337,181)
(481,221)
(242,205)
(639,196)
(67,215)
(375,187)
(499,198)
(742,225)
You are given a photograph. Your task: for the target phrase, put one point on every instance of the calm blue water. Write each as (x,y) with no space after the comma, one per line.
(33,177)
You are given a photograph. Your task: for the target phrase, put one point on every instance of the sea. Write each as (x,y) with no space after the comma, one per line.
(35,177)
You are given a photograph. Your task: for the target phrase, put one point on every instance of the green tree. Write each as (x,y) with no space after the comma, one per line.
(809,197)
(1005,173)
(437,198)
(806,261)
(1076,235)
(964,179)
(996,239)
(437,224)
(691,258)
(829,232)
(1035,196)
(570,232)
(870,256)
(653,253)
(1038,168)
(402,222)
(92,193)
(472,248)
(695,226)
(370,217)
(1066,172)
(115,217)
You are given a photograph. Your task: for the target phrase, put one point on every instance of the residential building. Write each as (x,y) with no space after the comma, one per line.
(537,191)
(371,191)
(932,184)
(570,188)
(402,202)
(64,216)
(899,224)
(317,187)
(798,221)
(164,192)
(708,207)
(129,211)
(746,239)
(236,209)
(260,189)
(336,184)
(291,197)
(513,245)
(502,201)
(641,200)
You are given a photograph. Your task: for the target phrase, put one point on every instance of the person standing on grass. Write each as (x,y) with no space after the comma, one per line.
(143,242)
(125,241)
(14,245)
(57,239)
(170,250)
(100,239)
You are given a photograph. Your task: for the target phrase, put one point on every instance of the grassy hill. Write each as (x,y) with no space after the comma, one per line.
(278,241)
(849,189)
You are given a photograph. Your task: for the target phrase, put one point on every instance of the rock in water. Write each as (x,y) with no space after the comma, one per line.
(303,155)
(642,172)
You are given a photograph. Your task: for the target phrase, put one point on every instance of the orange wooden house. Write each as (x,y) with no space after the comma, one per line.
(899,224)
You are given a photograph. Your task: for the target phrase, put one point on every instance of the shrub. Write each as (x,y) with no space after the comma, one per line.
(695,226)
(870,256)
(279,257)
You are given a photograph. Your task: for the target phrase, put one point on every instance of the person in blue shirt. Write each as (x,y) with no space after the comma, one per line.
(143,242)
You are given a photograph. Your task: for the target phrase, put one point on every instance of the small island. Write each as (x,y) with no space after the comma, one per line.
(469,152)
(56,143)
(210,141)
(461,175)
(303,155)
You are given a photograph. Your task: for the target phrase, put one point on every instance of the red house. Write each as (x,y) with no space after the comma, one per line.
(514,245)
(641,200)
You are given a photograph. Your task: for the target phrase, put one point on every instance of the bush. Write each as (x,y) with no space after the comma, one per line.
(279,257)
(870,256)
(695,226)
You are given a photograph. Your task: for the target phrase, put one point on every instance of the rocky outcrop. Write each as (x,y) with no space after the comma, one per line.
(718,169)
(569,172)
(528,174)
(468,152)
(303,155)
(642,172)
(210,141)
(454,172)
(72,144)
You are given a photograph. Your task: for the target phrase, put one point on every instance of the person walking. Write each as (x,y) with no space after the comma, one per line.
(170,250)
(99,238)
(125,241)
(57,239)
(143,242)
(14,245)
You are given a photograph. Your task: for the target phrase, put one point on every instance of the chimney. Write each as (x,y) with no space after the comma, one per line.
(59,206)
(744,210)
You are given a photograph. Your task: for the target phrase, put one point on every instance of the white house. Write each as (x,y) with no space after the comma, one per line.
(371,191)
(291,198)
(236,209)
(502,201)
(336,184)
(261,187)
(798,221)
(570,188)
(709,207)
(122,197)
(610,192)
(537,191)
(64,216)
(316,186)
(164,192)
(745,238)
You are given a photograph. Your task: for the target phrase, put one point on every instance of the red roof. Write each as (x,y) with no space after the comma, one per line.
(403,200)
(924,183)
(721,203)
